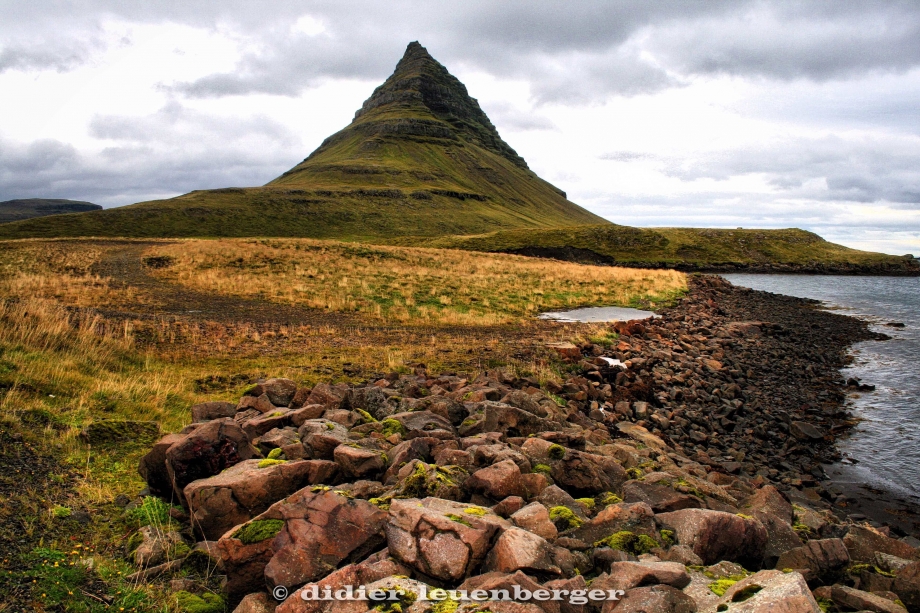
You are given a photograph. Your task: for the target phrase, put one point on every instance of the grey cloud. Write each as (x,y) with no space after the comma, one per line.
(510,118)
(173,151)
(880,169)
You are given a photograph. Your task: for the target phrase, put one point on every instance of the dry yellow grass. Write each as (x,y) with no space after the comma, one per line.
(399,284)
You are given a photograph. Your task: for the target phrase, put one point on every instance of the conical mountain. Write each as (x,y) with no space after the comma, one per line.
(420,158)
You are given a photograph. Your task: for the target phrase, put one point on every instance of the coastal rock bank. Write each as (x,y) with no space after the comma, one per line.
(689,477)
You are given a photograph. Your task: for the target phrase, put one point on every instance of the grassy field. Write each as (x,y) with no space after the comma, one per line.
(82,342)
(442,287)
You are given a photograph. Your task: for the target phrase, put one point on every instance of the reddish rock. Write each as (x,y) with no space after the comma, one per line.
(310,411)
(260,404)
(863,542)
(280,392)
(257,426)
(374,568)
(152,467)
(498,481)
(509,506)
(256,603)
(205,452)
(511,421)
(714,535)
(636,517)
(241,492)
(359,463)
(661,498)
(321,529)
(406,451)
(629,575)
(419,423)
(768,499)
(330,396)
(417,480)
(652,599)
(535,518)
(907,586)
(769,591)
(821,561)
(857,600)
(320,437)
(507,581)
(518,549)
(439,538)
(206,411)
(586,474)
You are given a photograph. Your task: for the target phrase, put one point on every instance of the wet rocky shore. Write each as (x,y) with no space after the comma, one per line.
(678,466)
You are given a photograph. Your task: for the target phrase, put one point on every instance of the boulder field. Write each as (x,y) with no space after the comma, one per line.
(677,468)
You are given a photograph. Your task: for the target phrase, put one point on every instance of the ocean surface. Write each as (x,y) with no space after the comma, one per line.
(884,449)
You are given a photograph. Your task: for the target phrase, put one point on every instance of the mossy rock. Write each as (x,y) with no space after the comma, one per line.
(111,431)
(629,542)
(556,452)
(199,562)
(564,518)
(205,603)
(392,426)
(259,530)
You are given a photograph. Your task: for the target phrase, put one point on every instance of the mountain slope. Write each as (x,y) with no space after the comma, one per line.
(27,208)
(420,158)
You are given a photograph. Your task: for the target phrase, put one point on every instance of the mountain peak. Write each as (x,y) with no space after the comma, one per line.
(420,86)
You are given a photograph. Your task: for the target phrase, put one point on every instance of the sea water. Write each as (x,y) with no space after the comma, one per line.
(884,449)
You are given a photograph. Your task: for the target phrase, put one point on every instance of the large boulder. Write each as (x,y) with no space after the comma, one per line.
(535,518)
(300,539)
(769,591)
(320,437)
(359,463)
(715,535)
(280,392)
(419,423)
(205,452)
(374,568)
(820,561)
(241,492)
(518,549)
(635,517)
(851,599)
(491,416)
(586,474)
(330,396)
(152,467)
(497,481)
(907,586)
(662,498)
(652,599)
(629,575)
(770,500)
(441,539)
(863,542)
(206,411)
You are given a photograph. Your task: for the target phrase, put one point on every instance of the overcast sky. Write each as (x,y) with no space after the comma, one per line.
(665,113)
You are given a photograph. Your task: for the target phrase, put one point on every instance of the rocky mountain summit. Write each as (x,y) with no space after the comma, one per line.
(677,468)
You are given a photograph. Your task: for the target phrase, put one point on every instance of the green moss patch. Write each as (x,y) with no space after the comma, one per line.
(630,542)
(259,530)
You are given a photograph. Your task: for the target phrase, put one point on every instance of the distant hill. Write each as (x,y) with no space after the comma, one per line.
(688,249)
(420,158)
(28,208)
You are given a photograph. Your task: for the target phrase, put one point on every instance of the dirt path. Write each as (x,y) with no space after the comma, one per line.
(124,265)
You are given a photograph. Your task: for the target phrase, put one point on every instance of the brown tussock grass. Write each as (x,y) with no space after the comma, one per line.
(400,284)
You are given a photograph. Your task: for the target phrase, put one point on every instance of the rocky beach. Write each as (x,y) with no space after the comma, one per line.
(678,468)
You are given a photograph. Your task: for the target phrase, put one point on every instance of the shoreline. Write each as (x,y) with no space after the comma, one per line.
(683,443)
